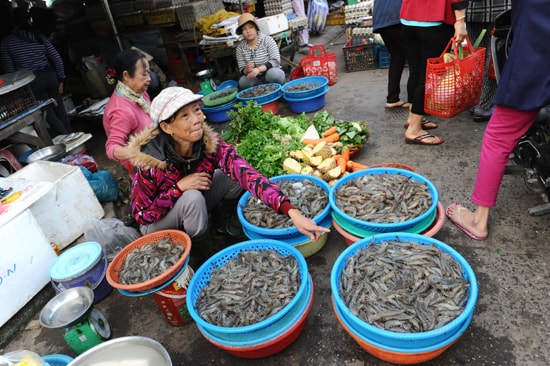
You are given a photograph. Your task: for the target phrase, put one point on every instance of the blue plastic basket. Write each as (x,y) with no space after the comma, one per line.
(288,232)
(253,331)
(384,227)
(308,104)
(403,341)
(263,99)
(320,81)
(269,333)
(219,113)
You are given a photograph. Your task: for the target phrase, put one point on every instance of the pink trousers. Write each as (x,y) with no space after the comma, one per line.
(505,128)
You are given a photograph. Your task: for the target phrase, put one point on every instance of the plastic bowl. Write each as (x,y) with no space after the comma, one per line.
(355,230)
(383,227)
(307,104)
(227,84)
(272,346)
(176,236)
(319,81)
(430,231)
(219,114)
(403,341)
(56,359)
(288,232)
(262,99)
(264,328)
(215,99)
(398,355)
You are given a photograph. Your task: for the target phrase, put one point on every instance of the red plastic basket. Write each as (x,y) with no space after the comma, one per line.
(320,63)
(455,86)
(175,236)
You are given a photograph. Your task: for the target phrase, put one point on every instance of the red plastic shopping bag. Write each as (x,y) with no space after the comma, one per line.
(320,63)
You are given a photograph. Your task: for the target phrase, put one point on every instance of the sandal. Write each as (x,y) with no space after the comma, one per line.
(399,103)
(426,124)
(419,140)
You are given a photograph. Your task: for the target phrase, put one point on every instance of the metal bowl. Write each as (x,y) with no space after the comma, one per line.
(67,308)
(130,350)
(51,153)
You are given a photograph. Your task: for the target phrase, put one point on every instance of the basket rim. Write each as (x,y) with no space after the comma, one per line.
(323,82)
(386,227)
(118,260)
(288,231)
(351,250)
(231,252)
(278,90)
(317,94)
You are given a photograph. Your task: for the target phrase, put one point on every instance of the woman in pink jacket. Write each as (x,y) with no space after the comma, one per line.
(127,111)
(428,25)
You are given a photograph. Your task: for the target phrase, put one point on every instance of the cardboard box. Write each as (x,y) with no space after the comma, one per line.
(24,264)
(62,212)
(273,24)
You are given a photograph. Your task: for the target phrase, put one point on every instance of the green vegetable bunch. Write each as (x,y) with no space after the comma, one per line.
(353,134)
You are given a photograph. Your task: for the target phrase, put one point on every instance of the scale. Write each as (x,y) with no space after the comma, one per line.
(208,85)
(85,326)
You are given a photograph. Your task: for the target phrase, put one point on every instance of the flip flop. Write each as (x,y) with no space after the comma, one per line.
(398,104)
(457,206)
(419,140)
(425,125)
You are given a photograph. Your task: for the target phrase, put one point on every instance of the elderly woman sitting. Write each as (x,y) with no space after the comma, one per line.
(258,56)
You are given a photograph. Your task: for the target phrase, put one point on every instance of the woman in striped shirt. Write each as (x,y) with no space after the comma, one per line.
(27,48)
(258,56)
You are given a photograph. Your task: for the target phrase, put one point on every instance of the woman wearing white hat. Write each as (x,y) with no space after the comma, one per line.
(258,56)
(184,170)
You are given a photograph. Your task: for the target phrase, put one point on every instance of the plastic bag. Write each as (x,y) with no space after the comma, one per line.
(84,160)
(111,233)
(21,358)
(317,15)
(103,184)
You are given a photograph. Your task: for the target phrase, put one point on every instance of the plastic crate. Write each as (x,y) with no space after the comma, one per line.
(382,56)
(16,102)
(189,14)
(359,58)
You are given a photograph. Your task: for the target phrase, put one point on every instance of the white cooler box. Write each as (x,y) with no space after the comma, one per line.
(273,24)
(62,213)
(26,256)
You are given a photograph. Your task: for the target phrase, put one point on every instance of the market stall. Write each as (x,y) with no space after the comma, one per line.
(21,115)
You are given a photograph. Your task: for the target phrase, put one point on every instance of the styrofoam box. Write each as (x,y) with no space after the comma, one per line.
(62,213)
(273,24)
(26,258)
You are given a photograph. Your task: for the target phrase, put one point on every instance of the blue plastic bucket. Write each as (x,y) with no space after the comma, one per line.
(308,104)
(219,114)
(83,265)
(57,359)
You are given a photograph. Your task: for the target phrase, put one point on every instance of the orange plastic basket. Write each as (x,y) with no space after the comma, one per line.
(175,236)
(455,86)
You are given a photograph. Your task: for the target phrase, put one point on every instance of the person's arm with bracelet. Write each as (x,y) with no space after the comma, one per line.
(459,9)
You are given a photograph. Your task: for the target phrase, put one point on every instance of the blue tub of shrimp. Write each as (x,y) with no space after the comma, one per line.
(264,329)
(399,340)
(286,233)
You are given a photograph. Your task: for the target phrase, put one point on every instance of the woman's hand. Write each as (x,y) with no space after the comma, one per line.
(248,68)
(61,88)
(306,226)
(200,181)
(254,73)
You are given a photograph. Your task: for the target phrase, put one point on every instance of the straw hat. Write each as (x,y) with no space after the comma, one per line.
(245,18)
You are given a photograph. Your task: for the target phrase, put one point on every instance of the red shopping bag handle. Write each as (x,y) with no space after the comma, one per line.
(318,50)
(454,45)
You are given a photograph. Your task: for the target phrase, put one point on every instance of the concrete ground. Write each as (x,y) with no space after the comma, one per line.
(510,324)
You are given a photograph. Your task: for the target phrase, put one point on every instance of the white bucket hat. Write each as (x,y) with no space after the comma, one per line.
(169,101)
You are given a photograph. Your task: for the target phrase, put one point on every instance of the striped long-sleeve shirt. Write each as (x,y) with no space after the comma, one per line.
(21,50)
(266,52)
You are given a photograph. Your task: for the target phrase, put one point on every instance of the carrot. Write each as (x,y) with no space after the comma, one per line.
(354,166)
(331,138)
(336,156)
(330,131)
(345,153)
(342,164)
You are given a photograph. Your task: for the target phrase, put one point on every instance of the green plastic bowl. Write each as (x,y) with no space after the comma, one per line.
(220,97)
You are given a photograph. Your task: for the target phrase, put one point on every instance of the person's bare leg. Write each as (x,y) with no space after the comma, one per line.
(474,224)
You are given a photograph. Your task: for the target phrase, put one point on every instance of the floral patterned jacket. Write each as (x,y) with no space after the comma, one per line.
(154,190)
